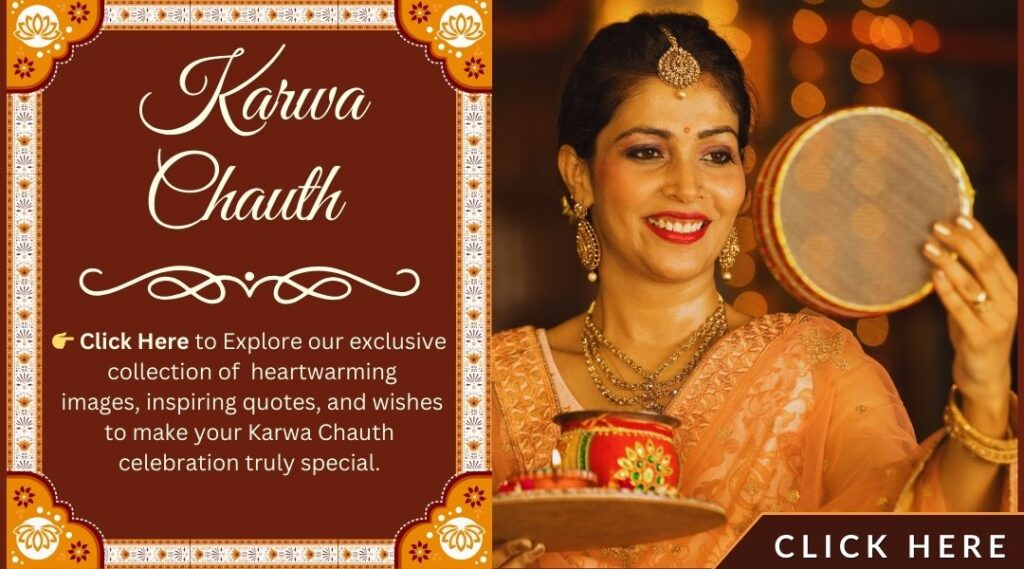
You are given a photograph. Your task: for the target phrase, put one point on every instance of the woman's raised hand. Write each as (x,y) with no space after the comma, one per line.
(979,290)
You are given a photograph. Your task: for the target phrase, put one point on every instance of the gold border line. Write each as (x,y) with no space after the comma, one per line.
(459,249)
(8,137)
(190,543)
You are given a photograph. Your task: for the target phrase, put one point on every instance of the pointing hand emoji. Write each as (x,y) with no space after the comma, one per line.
(60,339)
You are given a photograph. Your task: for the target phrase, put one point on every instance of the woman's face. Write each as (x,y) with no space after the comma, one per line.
(667,181)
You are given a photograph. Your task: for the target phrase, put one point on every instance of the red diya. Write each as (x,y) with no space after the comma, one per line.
(632,450)
(549,478)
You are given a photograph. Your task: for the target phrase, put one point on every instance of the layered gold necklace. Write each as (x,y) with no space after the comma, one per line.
(651,392)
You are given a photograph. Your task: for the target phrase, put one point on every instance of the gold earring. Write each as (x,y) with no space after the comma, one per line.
(728,255)
(587,246)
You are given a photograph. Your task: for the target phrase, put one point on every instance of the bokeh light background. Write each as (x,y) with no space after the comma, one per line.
(951,64)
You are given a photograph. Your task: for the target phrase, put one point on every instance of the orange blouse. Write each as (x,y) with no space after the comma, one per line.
(783,414)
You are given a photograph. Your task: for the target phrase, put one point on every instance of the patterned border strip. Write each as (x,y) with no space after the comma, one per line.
(24,256)
(24,391)
(262,15)
(474,235)
(249,553)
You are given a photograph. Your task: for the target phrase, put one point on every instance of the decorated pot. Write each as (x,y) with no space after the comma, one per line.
(624,449)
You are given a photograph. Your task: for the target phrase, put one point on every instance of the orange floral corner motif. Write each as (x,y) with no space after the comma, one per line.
(457,34)
(43,532)
(42,32)
(456,531)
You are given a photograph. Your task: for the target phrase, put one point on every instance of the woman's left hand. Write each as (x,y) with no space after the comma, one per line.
(979,289)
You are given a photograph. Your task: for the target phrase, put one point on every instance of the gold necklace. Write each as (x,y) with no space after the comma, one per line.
(652,390)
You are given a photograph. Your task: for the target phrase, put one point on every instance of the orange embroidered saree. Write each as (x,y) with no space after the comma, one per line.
(784,414)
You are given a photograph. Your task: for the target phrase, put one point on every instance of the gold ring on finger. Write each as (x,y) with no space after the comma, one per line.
(981,303)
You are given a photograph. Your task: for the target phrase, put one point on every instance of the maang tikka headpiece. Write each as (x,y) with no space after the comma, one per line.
(677,67)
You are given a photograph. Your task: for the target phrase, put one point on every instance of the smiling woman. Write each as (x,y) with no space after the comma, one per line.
(670,175)
(783,412)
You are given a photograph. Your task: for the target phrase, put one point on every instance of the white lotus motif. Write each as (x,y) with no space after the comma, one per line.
(461,538)
(37,538)
(461,26)
(37,26)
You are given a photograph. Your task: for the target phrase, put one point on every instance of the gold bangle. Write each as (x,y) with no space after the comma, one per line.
(981,438)
(981,451)
(999,451)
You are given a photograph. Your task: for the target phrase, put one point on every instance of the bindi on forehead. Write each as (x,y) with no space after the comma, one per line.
(686,130)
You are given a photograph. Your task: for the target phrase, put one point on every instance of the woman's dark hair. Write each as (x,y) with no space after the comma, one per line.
(622,54)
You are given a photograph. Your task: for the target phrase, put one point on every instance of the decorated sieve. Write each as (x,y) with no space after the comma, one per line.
(845,203)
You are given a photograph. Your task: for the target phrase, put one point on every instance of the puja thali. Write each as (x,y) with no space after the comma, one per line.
(571,519)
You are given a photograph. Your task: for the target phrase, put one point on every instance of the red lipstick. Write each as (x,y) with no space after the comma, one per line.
(682,217)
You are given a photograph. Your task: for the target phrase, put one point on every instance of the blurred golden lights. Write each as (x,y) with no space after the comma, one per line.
(866,67)
(751,303)
(749,159)
(890,32)
(871,143)
(609,12)
(926,37)
(871,95)
(720,12)
(906,32)
(811,173)
(808,26)
(807,100)
(874,3)
(737,39)
(867,179)
(862,21)
(745,230)
(873,331)
(868,221)
(742,271)
(806,64)
(816,253)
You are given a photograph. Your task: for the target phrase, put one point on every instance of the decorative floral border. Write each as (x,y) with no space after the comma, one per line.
(455,527)
(43,524)
(43,33)
(309,15)
(24,248)
(249,553)
(473,302)
(24,315)
(456,34)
